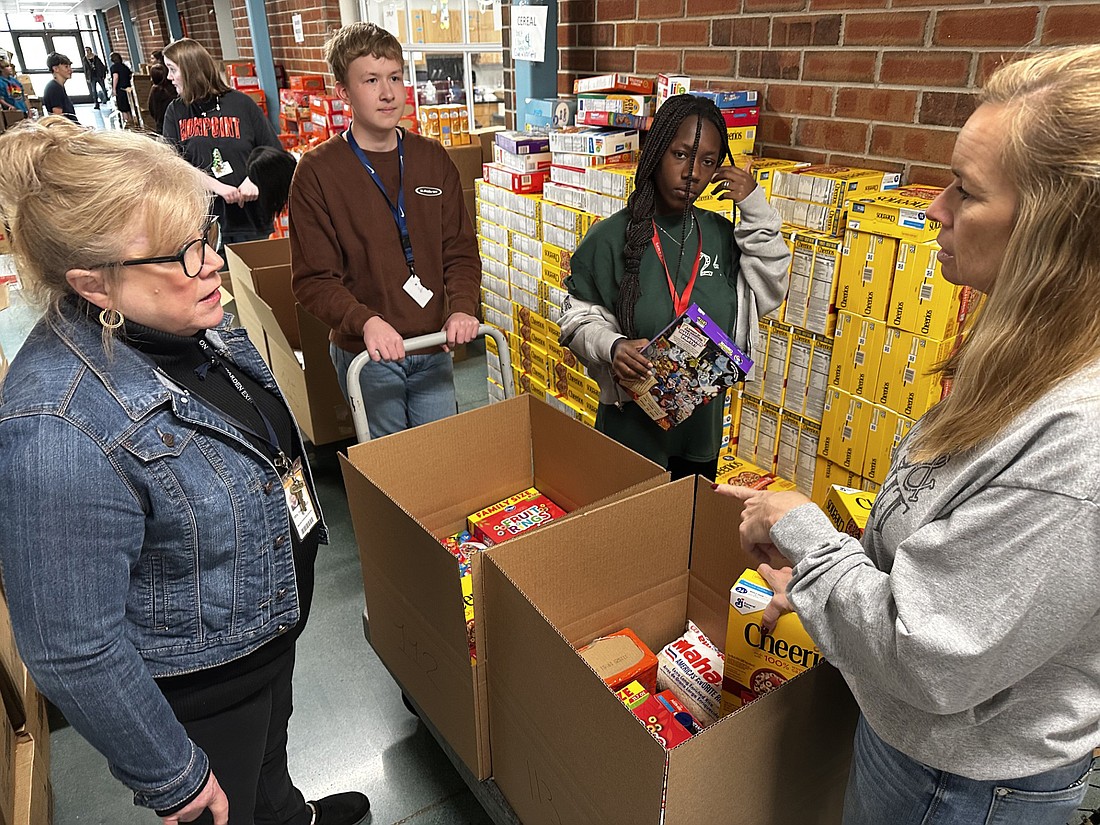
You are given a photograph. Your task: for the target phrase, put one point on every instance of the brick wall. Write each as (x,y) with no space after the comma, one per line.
(319,20)
(880,83)
(146,12)
(116,36)
(199,23)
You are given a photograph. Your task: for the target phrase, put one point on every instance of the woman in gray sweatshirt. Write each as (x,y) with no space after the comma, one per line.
(967,622)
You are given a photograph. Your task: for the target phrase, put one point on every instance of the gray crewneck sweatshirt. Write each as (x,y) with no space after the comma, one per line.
(968,622)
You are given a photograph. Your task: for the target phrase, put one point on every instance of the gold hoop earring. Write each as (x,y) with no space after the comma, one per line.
(111,318)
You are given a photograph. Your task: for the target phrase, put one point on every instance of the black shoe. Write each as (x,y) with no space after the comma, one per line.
(347,808)
(96,106)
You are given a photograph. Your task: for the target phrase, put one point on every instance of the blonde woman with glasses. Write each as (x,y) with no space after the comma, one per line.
(161,521)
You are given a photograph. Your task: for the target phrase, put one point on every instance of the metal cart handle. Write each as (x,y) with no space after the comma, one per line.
(433,339)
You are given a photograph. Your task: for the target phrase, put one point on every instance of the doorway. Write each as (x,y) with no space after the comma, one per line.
(33,47)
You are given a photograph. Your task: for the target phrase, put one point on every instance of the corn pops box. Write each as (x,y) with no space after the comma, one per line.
(512,516)
(694,362)
(757,663)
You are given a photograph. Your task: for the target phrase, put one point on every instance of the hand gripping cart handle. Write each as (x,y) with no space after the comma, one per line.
(433,339)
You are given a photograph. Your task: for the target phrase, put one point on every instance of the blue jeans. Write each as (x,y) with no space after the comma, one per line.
(886,787)
(401,394)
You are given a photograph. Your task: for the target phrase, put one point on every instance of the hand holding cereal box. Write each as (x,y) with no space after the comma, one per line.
(759,662)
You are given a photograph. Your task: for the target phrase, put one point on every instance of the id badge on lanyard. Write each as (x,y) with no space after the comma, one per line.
(303,513)
(413,287)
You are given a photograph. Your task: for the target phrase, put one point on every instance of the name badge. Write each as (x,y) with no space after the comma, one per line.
(303,513)
(219,166)
(419,293)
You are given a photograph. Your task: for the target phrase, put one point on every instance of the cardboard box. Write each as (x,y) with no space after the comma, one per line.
(33,803)
(292,341)
(11,671)
(565,750)
(897,214)
(414,601)
(7,773)
(844,429)
(826,474)
(922,301)
(857,354)
(866,274)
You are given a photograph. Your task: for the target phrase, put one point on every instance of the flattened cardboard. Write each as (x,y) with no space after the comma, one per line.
(408,488)
(310,385)
(565,750)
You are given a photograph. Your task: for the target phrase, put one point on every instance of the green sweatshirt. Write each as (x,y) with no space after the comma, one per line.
(598,266)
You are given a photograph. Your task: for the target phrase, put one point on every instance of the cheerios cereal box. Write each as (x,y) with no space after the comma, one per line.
(757,663)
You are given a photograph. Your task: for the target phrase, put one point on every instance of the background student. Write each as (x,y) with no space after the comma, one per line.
(637,270)
(967,621)
(121,75)
(95,71)
(217,128)
(55,100)
(381,243)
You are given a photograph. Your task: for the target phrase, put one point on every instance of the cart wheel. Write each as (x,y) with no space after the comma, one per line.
(409,706)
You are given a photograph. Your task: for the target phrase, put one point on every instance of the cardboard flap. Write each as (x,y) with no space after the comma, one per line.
(562,757)
(716,560)
(437,469)
(275,335)
(786,754)
(247,300)
(557,448)
(267,263)
(580,567)
(314,333)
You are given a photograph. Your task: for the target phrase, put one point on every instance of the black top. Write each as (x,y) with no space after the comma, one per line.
(54,96)
(207,691)
(124,74)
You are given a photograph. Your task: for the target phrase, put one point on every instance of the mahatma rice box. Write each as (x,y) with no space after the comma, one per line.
(757,662)
(410,488)
(293,342)
(566,750)
(694,362)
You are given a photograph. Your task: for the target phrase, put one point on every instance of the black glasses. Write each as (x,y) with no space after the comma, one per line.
(192,255)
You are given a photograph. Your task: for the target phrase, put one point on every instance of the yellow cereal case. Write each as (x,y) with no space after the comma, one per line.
(757,663)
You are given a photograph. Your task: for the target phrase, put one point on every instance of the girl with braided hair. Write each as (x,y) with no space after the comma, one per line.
(637,270)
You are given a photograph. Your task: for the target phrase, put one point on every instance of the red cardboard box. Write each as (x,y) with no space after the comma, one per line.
(308,82)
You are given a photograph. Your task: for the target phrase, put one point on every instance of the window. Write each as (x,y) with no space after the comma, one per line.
(452,51)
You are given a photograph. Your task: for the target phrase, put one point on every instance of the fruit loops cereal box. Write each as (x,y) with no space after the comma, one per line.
(757,663)
(462,546)
(512,516)
(694,362)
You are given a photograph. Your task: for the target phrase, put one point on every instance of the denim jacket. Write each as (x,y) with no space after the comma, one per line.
(143,537)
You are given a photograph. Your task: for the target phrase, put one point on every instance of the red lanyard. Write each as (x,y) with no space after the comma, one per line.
(680,302)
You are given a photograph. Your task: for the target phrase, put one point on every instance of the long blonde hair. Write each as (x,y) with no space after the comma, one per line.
(73,198)
(1041,322)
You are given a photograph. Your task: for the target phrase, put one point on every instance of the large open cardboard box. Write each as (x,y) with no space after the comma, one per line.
(565,750)
(278,325)
(407,489)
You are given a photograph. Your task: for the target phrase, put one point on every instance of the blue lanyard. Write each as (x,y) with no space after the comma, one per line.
(398,209)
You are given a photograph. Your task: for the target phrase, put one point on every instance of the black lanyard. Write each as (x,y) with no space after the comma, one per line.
(281,462)
(396,209)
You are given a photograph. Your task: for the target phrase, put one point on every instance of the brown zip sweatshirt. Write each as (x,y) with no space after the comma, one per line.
(346,255)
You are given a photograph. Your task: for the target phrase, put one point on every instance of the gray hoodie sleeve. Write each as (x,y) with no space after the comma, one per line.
(764,271)
(973,602)
(590,331)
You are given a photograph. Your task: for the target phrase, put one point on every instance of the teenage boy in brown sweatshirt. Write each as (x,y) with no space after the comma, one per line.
(382,247)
